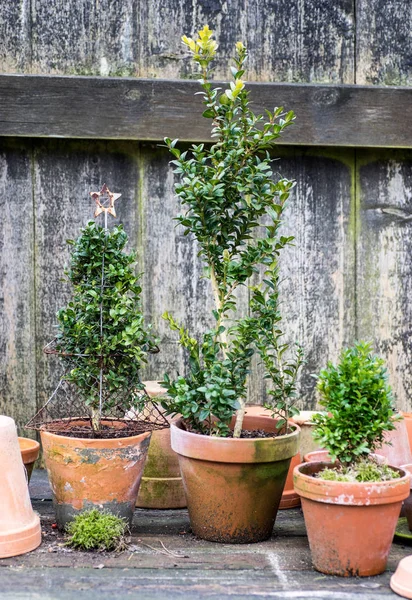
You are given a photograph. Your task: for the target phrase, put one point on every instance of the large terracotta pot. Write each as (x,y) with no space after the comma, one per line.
(290,499)
(350,526)
(307,442)
(29,453)
(161,486)
(87,473)
(233,486)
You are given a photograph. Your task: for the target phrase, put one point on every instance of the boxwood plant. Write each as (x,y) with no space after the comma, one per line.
(359,410)
(232,205)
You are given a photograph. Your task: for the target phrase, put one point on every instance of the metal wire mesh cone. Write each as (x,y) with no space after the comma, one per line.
(74,410)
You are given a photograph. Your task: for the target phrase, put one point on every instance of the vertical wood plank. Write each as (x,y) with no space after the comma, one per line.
(383,42)
(15,42)
(85,37)
(301,41)
(317,273)
(172,270)
(17,303)
(64,175)
(384,266)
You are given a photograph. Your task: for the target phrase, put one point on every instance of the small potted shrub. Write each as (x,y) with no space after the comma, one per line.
(351,505)
(233,467)
(93,454)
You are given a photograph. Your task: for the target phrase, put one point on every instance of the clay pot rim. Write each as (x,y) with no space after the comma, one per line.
(347,493)
(29,449)
(239,450)
(97,442)
(112,422)
(308,457)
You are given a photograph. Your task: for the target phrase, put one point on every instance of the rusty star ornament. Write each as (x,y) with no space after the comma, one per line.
(101,198)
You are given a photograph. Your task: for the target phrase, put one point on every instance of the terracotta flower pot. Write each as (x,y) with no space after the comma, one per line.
(350,526)
(87,473)
(19,526)
(407,505)
(290,499)
(161,486)
(233,486)
(29,453)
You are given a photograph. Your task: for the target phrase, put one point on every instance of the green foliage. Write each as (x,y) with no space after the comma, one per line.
(358,398)
(363,471)
(233,207)
(102,327)
(96,530)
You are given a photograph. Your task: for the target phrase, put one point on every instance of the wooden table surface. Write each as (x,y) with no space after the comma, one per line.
(165,562)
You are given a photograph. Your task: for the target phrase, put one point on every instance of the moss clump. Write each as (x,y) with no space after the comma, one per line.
(363,471)
(97,530)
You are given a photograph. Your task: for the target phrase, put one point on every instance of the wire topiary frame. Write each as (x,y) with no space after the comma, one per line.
(88,402)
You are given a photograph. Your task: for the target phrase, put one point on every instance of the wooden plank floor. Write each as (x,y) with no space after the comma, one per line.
(189,568)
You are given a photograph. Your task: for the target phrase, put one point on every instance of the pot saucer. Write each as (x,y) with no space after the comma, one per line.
(402,533)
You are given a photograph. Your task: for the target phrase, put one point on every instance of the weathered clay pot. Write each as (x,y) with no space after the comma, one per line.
(161,486)
(20,529)
(87,473)
(29,453)
(401,580)
(350,526)
(407,505)
(233,486)
(290,499)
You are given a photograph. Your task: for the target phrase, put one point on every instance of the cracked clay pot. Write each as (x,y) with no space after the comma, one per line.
(233,486)
(350,526)
(88,473)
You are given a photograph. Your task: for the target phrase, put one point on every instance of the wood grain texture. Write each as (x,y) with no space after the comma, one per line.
(145,109)
(64,174)
(15,43)
(384,266)
(17,303)
(172,270)
(383,42)
(298,40)
(318,272)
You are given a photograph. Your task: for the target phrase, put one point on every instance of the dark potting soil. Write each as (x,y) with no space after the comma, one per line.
(105,433)
(248,434)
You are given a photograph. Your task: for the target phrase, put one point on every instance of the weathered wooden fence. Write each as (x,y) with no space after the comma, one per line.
(349,275)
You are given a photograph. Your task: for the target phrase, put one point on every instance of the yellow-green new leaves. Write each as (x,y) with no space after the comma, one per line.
(235,89)
(204,48)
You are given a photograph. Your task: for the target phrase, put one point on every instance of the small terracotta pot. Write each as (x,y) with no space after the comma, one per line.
(161,486)
(350,526)
(30,450)
(401,580)
(88,473)
(407,505)
(233,486)
(19,526)
(408,422)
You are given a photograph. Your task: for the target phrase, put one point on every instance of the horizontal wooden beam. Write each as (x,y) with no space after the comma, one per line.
(150,109)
